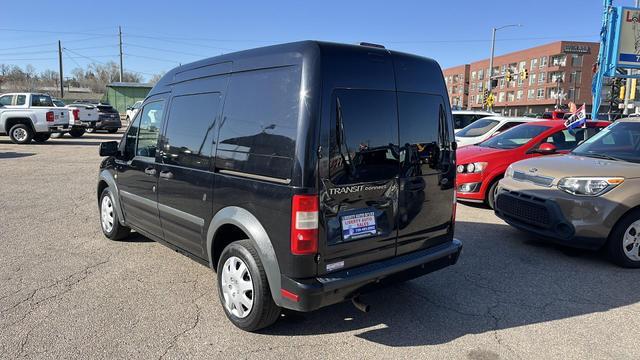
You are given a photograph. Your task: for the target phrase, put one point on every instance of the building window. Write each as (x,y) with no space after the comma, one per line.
(559,60)
(473,75)
(519,94)
(532,79)
(540,94)
(534,64)
(557,75)
(575,77)
(480,74)
(473,86)
(542,77)
(531,94)
(501,96)
(520,81)
(576,59)
(471,98)
(501,83)
(573,94)
(510,96)
(480,86)
(543,61)
(523,65)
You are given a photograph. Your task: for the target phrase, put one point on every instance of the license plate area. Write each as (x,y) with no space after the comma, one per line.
(358,225)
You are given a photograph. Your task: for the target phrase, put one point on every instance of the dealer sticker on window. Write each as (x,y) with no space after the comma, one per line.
(358,225)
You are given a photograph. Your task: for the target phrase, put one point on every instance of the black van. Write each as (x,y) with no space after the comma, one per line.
(303,173)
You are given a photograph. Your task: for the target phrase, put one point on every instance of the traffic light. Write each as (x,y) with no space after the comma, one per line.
(507,76)
(632,93)
(617,95)
(524,74)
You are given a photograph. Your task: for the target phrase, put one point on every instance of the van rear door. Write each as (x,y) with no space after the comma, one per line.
(359,180)
(427,174)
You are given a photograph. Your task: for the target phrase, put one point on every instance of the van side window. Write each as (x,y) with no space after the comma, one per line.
(423,132)
(150,126)
(131,138)
(364,137)
(189,135)
(260,122)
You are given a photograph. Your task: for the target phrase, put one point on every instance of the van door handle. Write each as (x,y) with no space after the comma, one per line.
(150,171)
(166,174)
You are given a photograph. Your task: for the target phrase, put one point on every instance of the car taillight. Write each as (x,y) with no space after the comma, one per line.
(50,116)
(304,224)
(76,115)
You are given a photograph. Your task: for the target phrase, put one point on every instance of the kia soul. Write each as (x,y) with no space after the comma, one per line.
(303,174)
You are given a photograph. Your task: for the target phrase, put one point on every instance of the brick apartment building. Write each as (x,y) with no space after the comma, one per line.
(561,66)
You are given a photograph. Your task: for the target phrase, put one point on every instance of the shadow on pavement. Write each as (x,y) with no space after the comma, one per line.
(502,281)
(13,155)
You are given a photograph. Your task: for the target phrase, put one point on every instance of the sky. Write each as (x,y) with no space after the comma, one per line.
(160,35)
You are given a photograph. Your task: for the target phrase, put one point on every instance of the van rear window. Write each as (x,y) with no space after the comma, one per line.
(260,122)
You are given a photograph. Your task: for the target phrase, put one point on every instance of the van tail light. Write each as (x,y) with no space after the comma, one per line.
(304,224)
(50,116)
(76,116)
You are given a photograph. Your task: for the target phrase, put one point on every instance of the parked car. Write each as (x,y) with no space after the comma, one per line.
(81,117)
(133,110)
(481,166)
(302,173)
(108,117)
(462,118)
(587,199)
(30,116)
(554,115)
(487,127)
(533,115)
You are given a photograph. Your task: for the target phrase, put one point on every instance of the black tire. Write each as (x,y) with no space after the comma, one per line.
(76,133)
(264,312)
(614,245)
(91,130)
(112,131)
(41,137)
(490,201)
(118,231)
(21,134)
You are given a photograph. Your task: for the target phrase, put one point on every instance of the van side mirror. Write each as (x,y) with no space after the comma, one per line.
(109,148)
(546,149)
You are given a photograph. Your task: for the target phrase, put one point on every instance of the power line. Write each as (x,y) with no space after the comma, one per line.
(51,44)
(150,58)
(164,50)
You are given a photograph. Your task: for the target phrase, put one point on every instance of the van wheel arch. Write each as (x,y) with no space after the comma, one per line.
(237,222)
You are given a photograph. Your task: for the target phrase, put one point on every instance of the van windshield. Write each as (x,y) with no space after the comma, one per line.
(478,128)
(619,141)
(515,137)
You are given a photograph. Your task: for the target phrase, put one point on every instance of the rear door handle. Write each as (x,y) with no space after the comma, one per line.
(150,171)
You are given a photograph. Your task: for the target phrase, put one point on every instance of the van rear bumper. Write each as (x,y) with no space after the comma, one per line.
(343,285)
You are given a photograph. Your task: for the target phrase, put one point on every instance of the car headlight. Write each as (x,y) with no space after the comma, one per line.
(589,186)
(476,167)
(509,172)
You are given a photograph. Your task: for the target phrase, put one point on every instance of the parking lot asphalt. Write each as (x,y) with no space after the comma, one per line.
(68,292)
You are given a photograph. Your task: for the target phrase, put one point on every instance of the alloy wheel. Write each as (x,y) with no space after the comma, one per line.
(631,241)
(20,134)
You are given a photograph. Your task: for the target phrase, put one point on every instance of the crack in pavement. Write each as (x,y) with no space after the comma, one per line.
(196,321)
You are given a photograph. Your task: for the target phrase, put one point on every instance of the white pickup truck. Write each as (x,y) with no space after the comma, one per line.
(81,117)
(31,116)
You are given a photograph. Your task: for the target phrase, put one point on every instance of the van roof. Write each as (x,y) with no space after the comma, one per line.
(310,52)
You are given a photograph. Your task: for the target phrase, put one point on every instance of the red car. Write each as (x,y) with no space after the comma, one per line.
(481,166)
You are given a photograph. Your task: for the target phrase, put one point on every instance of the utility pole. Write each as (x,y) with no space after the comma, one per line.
(61,75)
(493,45)
(120,38)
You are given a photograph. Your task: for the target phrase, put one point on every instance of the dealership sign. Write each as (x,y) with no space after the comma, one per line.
(577,49)
(629,38)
